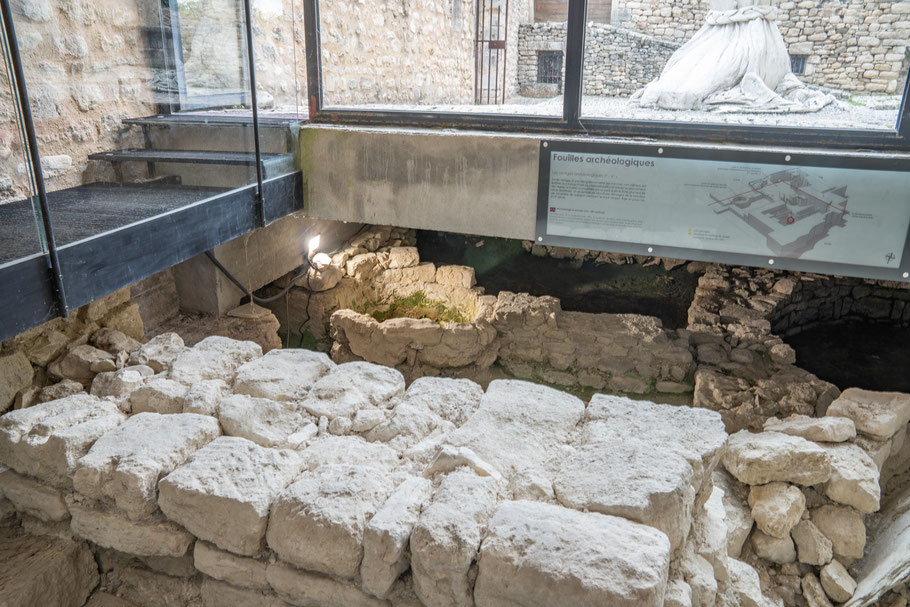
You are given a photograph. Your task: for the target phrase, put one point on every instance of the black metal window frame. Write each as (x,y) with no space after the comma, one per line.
(572,121)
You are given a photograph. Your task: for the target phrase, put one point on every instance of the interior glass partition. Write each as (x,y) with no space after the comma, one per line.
(18,201)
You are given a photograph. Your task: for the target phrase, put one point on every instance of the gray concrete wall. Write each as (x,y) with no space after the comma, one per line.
(465,181)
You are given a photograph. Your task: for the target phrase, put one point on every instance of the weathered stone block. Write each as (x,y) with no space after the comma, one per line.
(214,357)
(46,440)
(818,429)
(15,375)
(756,459)
(236,570)
(149,537)
(120,382)
(282,375)
(317,523)
(307,589)
(158,395)
(353,386)
(31,497)
(776,507)
(844,527)
(539,554)
(159,352)
(124,465)
(265,422)
(854,478)
(387,535)
(220,594)
(447,537)
(876,414)
(223,493)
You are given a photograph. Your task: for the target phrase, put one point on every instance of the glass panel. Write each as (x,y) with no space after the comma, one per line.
(278,34)
(441,55)
(130,100)
(829,64)
(21,232)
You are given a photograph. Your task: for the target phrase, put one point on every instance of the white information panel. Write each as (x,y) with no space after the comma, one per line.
(824,214)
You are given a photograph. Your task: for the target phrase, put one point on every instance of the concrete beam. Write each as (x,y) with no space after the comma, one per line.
(457,181)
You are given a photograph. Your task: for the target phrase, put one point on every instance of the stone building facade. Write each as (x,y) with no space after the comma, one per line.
(618,61)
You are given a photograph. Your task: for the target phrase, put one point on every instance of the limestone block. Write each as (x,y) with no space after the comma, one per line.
(61,389)
(738,515)
(204,397)
(387,535)
(366,419)
(744,582)
(46,440)
(844,527)
(854,478)
(81,364)
(323,279)
(813,592)
(876,414)
(428,402)
(403,257)
(679,594)
(879,451)
(327,450)
(317,523)
(120,382)
(142,587)
(631,479)
(836,582)
(699,575)
(307,589)
(776,507)
(447,537)
(540,554)
(220,594)
(710,535)
(32,497)
(45,572)
(282,375)
(159,352)
(818,429)
(519,426)
(15,374)
(263,421)
(422,273)
(47,347)
(124,465)
(223,493)
(449,458)
(756,459)
(236,570)
(158,395)
(150,537)
(214,357)
(814,548)
(456,276)
(698,435)
(114,341)
(353,386)
(774,549)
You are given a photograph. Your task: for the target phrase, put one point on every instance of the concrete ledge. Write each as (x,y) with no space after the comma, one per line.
(464,181)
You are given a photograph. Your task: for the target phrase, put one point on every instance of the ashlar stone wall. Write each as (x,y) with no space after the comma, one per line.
(853,45)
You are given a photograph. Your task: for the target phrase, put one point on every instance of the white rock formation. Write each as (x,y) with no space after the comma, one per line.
(213,358)
(776,507)
(158,395)
(159,352)
(149,537)
(876,414)
(854,478)
(818,429)
(756,459)
(844,527)
(350,387)
(265,422)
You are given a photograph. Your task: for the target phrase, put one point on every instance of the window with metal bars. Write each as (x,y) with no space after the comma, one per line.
(549,68)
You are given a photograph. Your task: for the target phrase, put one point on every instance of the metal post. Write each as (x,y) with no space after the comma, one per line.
(313,59)
(575,54)
(248,14)
(34,156)
(903,118)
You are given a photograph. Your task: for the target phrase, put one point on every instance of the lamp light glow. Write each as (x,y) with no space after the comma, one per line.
(314,244)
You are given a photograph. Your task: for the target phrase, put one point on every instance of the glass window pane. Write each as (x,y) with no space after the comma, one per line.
(438,55)
(829,65)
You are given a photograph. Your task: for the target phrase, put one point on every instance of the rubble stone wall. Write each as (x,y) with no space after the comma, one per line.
(618,61)
(216,475)
(849,44)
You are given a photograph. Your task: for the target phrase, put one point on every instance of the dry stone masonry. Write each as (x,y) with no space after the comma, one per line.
(306,482)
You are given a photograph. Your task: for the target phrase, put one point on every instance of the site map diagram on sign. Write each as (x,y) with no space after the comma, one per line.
(834,215)
(793,211)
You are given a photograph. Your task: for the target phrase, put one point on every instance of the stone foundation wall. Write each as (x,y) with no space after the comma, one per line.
(214,476)
(618,61)
(850,45)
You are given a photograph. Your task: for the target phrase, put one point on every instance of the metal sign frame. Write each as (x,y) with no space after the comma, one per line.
(784,158)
